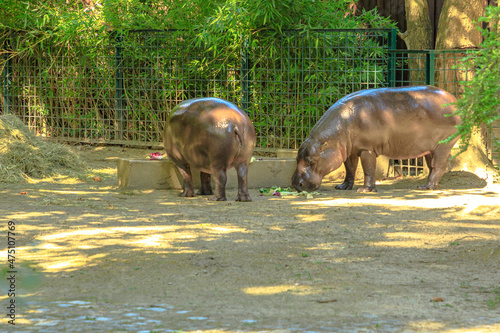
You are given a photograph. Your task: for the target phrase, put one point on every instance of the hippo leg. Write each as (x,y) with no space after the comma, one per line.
(428,161)
(205,188)
(220,179)
(368,162)
(351,164)
(185,171)
(437,162)
(243,195)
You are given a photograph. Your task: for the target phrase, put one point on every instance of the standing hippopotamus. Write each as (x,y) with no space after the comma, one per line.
(211,135)
(400,123)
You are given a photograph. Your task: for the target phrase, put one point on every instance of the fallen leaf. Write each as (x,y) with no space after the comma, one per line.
(327,301)
(23,193)
(97,179)
(437,299)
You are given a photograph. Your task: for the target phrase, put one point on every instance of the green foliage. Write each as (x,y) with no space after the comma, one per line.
(236,20)
(480,103)
(312,63)
(66,55)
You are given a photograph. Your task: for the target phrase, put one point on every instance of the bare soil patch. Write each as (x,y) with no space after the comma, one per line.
(92,258)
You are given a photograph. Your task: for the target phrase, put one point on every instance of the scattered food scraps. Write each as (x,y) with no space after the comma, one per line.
(280,192)
(253,159)
(156,156)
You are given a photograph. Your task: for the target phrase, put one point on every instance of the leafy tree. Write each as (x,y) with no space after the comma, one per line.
(480,104)
(237,18)
(69,47)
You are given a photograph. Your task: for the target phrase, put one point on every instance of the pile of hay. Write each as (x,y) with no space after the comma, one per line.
(24,156)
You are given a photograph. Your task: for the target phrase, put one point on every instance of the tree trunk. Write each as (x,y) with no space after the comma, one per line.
(456,30)
(418,36)
(457,27)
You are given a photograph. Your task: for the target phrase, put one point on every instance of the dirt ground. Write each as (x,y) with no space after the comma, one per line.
(93,258)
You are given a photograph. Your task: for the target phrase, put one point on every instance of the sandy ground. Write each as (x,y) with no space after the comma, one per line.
(92,258)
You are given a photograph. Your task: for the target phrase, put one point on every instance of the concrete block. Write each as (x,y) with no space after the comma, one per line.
(147,174)
(163,174)
(286,153)
(265,172)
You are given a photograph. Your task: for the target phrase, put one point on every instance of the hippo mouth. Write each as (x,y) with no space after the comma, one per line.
(301,185)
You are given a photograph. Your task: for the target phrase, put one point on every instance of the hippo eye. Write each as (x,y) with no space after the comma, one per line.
(308,161)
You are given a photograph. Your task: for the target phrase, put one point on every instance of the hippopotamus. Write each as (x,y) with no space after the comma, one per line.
(211,135)
(401,123)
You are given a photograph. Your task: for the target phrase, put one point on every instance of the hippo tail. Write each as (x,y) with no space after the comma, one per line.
(240,137)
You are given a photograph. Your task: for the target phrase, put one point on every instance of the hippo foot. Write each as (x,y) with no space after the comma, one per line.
(243,197)
(187,194)
(425,187)
(344,186)
(215,198)
(366,189)
(204,191)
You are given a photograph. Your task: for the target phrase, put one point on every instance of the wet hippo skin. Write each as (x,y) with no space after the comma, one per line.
(400,123)
(211,135)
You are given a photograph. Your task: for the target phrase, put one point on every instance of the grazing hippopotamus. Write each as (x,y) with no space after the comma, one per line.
(400,123)
(211,135)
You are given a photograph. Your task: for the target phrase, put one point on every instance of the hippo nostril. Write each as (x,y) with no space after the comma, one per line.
(300,183)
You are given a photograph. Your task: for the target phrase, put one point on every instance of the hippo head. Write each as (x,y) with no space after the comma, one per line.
(314,161)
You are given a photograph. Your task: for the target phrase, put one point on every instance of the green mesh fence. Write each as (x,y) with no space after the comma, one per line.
(296,79)
(442,68)
(119,89)
(65,93)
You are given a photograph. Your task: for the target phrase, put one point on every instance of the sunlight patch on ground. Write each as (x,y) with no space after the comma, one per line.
(23,321)
(57,179)
(462,225)
(70,250)
(20,216)
(441,327)
(74,192)
(272,290)
(470,202)
(311,217)
(426,240)
(413,326)
(495,328)
(426,325)
(150,241)
(74,261)
(105,171)
(409,240)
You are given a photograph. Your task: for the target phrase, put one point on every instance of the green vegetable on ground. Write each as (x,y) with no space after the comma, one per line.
(287,191)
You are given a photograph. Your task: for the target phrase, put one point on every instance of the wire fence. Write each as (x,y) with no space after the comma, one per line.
(441,68)
(119,89)
(446,69)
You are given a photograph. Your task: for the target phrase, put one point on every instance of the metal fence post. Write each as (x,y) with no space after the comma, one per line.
(245,76)
(6,73)
(391,70)
(119,97)
(430,67)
